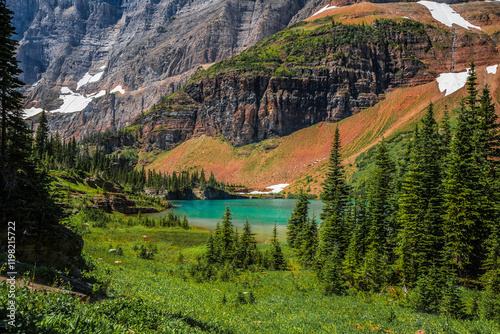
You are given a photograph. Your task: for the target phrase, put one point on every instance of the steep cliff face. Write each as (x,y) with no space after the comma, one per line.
(146,47)
(304,75)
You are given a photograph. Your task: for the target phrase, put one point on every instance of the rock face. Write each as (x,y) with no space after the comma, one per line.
(208,193)
(120,203)
(54,245)
(249,105)
(148,47)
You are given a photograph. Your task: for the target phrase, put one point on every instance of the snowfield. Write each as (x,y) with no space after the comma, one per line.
(87,78)
(492,69)
(274,189)
(118,89)
(323,9)
(446,15)
(451,82)
(31,112)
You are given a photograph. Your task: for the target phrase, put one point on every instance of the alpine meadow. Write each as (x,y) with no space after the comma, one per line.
(249,166)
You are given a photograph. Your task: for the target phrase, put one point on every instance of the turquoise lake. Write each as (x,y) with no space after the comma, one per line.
(261,213)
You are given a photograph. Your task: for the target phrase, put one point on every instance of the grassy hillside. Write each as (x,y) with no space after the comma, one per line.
(159,295)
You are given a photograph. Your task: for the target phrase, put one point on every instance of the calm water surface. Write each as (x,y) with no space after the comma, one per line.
(261,213)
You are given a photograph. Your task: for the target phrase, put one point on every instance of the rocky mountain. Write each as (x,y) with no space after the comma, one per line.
(313,71)
(99,63)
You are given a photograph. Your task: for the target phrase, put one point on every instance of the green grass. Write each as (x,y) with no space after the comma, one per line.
(165,298)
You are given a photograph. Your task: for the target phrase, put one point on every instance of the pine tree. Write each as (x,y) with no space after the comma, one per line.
(469,208)
(380,218)
(227,237)
(247,248)
(452,304)
(298,220)
(24,195)
(335,190)
(427,294)
(307,243)
(332,274)
(276,255)
(333,232)
(41,135)
(420,204)
(356,250)
(185,223)
(15,135)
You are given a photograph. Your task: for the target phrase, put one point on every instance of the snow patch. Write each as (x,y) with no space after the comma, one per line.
(274,189)
(73,102)
(87,78)
(446,15)
(102,67)
(36,83)
(492,69)
(31,112)
(66,90)
(118,89)
(101,93)
(323,9)
(451,82)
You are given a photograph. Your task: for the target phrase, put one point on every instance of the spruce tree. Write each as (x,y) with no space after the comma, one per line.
(335,190)
(307,243)
(452,304)
(298,220)
(333,232)
(420,204)
(227,236)
(468,201)
(332,274)
(380,219)
(42,135)
(247,248)
(15,135)
(277,258)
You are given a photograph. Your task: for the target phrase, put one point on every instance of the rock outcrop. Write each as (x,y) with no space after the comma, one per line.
(344,70)
(52,245)
(120,203)
(149,48)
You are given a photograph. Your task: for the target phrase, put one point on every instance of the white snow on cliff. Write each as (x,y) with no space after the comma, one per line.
(492,69)
(443,13)
(118,89)
(87,78)
(451,82)
(274,189)
(323,9)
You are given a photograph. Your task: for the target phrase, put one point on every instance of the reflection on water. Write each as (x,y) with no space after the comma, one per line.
(261,213)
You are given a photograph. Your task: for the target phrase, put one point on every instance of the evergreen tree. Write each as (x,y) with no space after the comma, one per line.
(298,220)
(333,232)
(452,304)
(247,248)
(15,135)
(335,190)
(427,294)
(357,244)
(380,217)
(185,223)
(332,274)
(420,204)
(277,260)
(226,236)
(468,202)
(42,135)
(307,243)
(24,195)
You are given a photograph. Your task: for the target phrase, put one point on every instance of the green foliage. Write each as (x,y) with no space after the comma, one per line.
(147,251)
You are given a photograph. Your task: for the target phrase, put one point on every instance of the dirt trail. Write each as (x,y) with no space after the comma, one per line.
(42,287)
